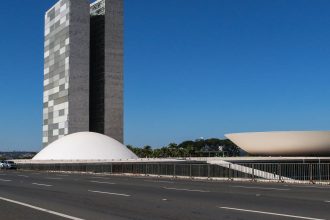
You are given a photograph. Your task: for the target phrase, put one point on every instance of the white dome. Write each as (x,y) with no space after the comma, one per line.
(85,146)
(283,143)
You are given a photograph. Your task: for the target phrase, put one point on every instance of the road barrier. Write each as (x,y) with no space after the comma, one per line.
(284,172)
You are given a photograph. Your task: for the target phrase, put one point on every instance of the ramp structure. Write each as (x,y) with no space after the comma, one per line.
(248,170)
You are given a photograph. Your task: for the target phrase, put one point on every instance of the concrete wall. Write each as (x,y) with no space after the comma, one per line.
(114,51)
(79,66)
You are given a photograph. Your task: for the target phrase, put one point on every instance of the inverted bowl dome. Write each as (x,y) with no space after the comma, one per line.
(85,146)
(283,143)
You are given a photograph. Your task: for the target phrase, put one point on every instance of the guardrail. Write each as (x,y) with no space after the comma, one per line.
(285,172)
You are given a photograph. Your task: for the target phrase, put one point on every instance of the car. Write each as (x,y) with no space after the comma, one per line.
(10,165)
(2,164)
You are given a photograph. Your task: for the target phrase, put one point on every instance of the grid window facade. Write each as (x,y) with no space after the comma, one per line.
(98,8)
(56,72)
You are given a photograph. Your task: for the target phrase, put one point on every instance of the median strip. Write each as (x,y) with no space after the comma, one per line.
(270,213)
(109,193)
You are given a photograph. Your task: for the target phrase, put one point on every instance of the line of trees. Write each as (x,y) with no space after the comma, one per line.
(189,148)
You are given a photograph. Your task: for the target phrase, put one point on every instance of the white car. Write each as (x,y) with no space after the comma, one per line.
(10,165)
(7,165)
(3,165)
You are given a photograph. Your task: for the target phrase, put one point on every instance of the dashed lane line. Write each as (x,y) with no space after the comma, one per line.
(53,178)
(25,176)
(109,193)
(92,181)
(189,190)
(157,181)
(41,184)
(98,177)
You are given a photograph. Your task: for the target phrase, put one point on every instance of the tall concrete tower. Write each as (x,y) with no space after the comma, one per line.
(83,69)
(106,68)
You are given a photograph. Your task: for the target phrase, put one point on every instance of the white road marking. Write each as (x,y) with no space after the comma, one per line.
(97,177)
(102,182)
(53,178)
(159,181)
(327,201)
(41,209)
(61,175)
(253,187)
(110,193)
(271,213)
(3,180)
(23,176)
(2,174)
(189,190)
(316,187)
(41,184)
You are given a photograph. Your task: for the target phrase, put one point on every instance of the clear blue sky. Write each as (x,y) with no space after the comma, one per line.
(193,68)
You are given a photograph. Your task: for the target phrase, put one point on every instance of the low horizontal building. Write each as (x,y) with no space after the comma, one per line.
(283,143)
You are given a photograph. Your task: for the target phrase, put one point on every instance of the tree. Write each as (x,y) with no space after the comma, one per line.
(187,148)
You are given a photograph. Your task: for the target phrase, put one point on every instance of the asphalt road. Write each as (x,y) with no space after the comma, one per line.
(37,195)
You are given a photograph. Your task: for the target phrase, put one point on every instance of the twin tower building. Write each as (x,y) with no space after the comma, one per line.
(83,69)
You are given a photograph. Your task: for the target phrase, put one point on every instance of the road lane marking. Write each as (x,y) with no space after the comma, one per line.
(61,175)
(53,178)
(41,209)
(3,180)
(109,193)
(254,187)
(41,184)
(97,177)
(316,187)
(92,181)
(23,176)
(189,190)
(327,201)
(160,181)
(271,213)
